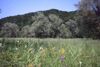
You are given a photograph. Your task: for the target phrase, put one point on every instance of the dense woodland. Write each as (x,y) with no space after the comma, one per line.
(51,23)
(82,23)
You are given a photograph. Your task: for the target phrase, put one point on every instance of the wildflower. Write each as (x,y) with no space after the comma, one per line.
(30,65)
(25,46)
(0,44)
(80,64)
(62,58)
(43,52)
(41,48)
(62,51)
(16,48)
(18,41)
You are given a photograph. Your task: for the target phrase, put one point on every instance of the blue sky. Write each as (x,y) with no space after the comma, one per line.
(15,7)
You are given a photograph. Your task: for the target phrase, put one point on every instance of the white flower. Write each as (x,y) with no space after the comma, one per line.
(0,44)
(18,41)
(80,64)
(16,48)
(41,48)
(25,46)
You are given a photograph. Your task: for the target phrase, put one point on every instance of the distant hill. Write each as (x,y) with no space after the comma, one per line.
(49,23)
(25,19)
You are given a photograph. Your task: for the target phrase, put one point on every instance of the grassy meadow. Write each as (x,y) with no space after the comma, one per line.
(34,52)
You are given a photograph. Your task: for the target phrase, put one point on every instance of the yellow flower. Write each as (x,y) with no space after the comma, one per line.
(62,51)
(43,52)
(30,65)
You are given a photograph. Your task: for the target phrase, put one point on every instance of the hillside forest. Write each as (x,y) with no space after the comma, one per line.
(53,23)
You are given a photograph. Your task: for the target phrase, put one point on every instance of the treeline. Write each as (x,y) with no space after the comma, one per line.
(52,23)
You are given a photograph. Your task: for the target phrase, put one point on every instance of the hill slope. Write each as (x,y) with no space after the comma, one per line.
(25,19)
(49,23)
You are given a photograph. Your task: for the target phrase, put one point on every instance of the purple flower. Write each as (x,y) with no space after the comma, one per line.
(62,58)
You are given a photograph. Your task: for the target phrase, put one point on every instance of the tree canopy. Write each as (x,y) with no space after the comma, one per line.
(89,22)
(90,6)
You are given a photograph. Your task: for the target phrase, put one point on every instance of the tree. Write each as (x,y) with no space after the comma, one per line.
(25,31)
(89,18)
(9,30)
(56,23)
(41,25)
(90,6)
(73,27)
(65,32)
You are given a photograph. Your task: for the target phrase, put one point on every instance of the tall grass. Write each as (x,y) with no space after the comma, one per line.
(49,53)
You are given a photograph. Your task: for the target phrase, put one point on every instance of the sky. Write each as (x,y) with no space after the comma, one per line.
(18,7)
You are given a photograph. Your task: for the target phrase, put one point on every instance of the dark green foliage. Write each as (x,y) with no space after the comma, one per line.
(89,27)
(42,24)
(26,19)
(89,18)
(9,30)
